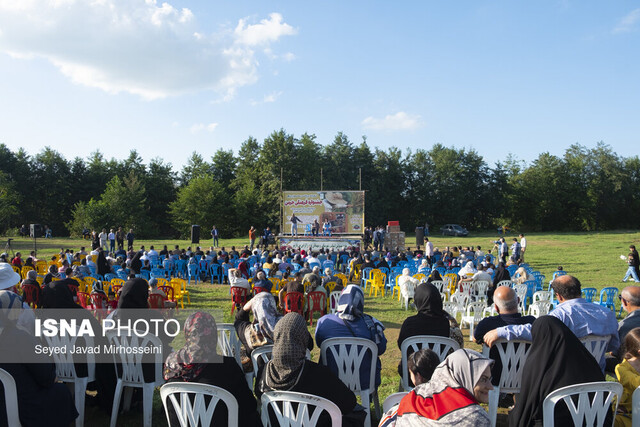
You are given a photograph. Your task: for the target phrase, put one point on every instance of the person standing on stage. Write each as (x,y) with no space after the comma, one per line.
(294,224)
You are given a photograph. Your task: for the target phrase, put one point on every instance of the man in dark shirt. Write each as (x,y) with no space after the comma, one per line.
(367,262)
(506,303)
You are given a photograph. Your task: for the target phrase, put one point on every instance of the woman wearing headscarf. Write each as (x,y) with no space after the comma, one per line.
(452,396)
(501,274)
(556,359)
(197,361)
(103,266)
(521,275)
(350,321)
(435,275)
(136,263)
(424,266)
(407,284)
(466,270)
(41,400)
(289,370)
(265,315)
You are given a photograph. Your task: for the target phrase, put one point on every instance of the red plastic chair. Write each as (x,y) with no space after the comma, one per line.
(83,299)
(31,294)
(168,291)
(100,304)
(156,301)
(259,289)
(294,301)
(239,295)
(317,303)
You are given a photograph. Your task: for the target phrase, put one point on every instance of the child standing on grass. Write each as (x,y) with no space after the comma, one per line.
(628,374)
(631,271)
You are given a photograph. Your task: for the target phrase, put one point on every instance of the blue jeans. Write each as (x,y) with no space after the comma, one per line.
(631,271)
(112,245)
(294,229)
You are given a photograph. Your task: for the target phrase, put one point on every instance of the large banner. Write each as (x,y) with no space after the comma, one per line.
(343,209)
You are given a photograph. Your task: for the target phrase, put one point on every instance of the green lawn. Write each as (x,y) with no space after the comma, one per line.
(592,257)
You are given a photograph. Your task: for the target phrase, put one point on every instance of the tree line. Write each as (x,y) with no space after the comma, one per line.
(585,189)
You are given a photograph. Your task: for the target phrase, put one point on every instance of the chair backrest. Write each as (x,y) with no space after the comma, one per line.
(239,295)
(131,372)
(589,293)
(442,346)
(476,309)
(635,408)
(348,353)
(83,299)
(541,296)
(65,368)
(508,283)
(333,301)
(317,301)
(228,341)
(513,355)
(460,299)
(263,352)
(30,294)
(540,308)
(439,284)
(190,406)
(168,291)
(392,400)
(293,409)
(294,301)
(597,345)
(156,301)
(591,410)
(10,398)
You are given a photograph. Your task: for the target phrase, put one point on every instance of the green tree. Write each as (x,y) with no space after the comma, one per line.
(203,201)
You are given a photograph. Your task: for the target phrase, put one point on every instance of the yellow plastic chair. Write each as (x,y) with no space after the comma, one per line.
(419,276)
(276,285)
(25,270)
(377,284)
(330,286)
(451,280)
(41,267)
(17,270)
(396,287)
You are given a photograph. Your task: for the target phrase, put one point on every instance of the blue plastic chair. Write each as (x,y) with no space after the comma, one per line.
(122,274)
(610,301)
(215,271)
(193,272)
(181,268)
(589,293)
(366,272)
(307,230)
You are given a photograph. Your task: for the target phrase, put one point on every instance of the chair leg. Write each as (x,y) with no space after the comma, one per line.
(79,389)
(128,397)
(364,397)
(116,403)
(494,396)
(376,404)
(147,403)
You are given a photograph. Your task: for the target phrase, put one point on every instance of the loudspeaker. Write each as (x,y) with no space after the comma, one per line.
(35,230)
(419,236)
(195,234)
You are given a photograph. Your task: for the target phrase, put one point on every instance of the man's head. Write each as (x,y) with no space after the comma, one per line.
(521,235)
(316,270)
(327,271)
(506,300)
(630,298)
(566,287)
(515,240)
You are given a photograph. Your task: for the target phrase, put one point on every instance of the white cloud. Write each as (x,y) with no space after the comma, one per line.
(398,121)
(137,46)
(198,127)
(272,97)
(628,23)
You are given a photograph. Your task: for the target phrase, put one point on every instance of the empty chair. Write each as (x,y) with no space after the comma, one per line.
(593,402)
(589,293)
(473,316)
(608,297)
(259,357)
(297,409)
(540,308)
(228,341)
(190,406)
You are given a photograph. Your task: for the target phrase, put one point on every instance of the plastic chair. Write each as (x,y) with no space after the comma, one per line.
(392,400)
(228,341)
(508,283)
(442,346)
(479,290)
(294,301)
(333,301)
(156,301)
(193,272)
(131,373)
(608,297)
(297,409)
(513,355)
(377,283)
(10,398)
(316,302)
(30,295)
(66,370)
(239,295)
(597,345)
(261,353)
(521,292)
(473,316)
(83,300)
(589,410)
(215,272)
(191,407)
(348,353)
(635,408)
(539,308)
(100,305)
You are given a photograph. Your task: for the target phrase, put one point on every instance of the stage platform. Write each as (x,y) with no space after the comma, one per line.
(335,242)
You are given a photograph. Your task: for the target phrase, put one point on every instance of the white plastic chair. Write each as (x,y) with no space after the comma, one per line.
(305,413)
(263,352)
(66,369)
(539,308)
(490,311)
(333,301)
(131,374)
(541,296)
(228,341)
(440,345)
(460,301)
(440,285)
(635,408)
(513,355)
(597,345)
(10,398)
(479,290)
(392,400)
(348,354)
(189,404)
(589,410)
(507,283)
(475,311)
(521,292)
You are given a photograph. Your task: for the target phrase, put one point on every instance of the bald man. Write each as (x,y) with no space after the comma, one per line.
(582,317)
(630,300)
(506,302)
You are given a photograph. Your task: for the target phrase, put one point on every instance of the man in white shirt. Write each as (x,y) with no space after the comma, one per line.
(523,246)
(314,258)
(236,279)
(152,252)
(112,241)
(428,250)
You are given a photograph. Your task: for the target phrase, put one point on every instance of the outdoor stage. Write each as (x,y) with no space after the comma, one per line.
(335,242)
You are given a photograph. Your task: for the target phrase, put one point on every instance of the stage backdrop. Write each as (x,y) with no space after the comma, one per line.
(343,209)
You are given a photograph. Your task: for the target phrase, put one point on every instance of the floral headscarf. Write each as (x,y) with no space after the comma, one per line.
(201,339)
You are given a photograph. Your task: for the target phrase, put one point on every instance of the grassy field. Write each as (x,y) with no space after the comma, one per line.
(592,257)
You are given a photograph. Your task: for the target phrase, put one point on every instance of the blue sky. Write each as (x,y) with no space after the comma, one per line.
(171,78)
